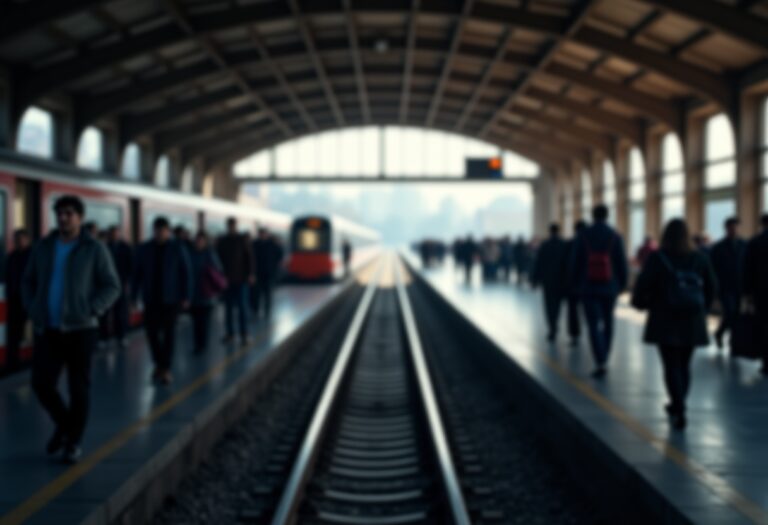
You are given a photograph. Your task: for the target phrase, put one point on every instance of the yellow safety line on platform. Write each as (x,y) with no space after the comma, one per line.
(51,490)
(715,483)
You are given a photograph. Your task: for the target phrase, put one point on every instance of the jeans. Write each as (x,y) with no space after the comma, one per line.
(54,351)
(677,374)
(599,313)
(160,324)
(552,301)
(263,290)
(201,325)
(236,296)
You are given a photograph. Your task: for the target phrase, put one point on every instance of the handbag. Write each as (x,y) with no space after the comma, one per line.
(214,282)
(745,336)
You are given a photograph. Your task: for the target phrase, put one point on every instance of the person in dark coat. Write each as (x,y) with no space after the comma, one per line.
(204,260)
(122,257)
(15,267)
(574,318)
(727,257)
(236,258)
(755,283)
(549,272)
(163,277)
(676,329)
(469,253)
(346,255)
(521,254)
(505,257)
(599,269)
(268,256)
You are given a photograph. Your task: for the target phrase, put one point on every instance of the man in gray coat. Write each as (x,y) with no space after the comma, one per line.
(69,283)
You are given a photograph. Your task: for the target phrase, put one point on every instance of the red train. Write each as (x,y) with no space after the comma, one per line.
(316,247)
(28,191)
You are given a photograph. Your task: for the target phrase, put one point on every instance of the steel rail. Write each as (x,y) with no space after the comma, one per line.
(302,467)
(440,441)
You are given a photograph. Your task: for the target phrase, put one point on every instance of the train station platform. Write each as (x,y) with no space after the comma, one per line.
(135,428)
(716,471)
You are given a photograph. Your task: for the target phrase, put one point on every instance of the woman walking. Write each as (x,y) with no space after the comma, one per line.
(208,282)
(677,286)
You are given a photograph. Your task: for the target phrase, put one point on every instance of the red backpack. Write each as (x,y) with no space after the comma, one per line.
(599,265)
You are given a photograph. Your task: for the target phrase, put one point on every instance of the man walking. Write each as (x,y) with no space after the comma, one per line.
(237,261)
(70,281)
(755,284)
(599,269)
(267,254)
(549,271)
(163,276)
(727,255)
(122,257)
(14,273)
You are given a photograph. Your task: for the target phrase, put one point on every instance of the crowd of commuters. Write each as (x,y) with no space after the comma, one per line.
(77,286)
(679,282)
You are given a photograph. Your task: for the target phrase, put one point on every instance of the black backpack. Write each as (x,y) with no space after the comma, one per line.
(685,292)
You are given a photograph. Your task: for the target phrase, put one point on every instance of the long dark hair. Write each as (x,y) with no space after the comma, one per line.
(676,239)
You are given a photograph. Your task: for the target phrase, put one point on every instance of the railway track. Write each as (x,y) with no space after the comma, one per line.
(375,451)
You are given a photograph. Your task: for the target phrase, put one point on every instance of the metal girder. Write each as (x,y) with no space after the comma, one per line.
(180,17)
(206,147)
(357,60)
(572,24)
(701,81)
(719,17)
(19,17)
(186,133)
(595,139)
(134,125)
(527,135)
(628,128)
(657,108)
(309,42)
(501,51)
(448,62)
(284,84)
(408,62)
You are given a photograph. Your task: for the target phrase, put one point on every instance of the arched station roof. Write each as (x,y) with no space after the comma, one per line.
(220,79)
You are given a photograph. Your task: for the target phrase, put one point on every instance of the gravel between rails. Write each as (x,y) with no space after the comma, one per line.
(240,465)
(508,475)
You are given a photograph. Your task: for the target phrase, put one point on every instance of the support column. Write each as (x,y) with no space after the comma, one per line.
(652,157)
(65,136)
(621,170)
(597,177)
(112,154)
(748,163)
(7,132)
(577,189)
(544,202)
(693,158)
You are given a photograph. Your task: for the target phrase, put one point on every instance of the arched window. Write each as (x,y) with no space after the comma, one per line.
(35,135)
(672,178)
(609,189)
(371,151)
(586,194)
(131,166)
(637,202)
(719,174)
(163,172)
(90,149)
(188,180)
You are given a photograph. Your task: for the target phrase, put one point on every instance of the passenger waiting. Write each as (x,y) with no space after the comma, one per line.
(15,267)
(468,255)
(522,258)
(599,269)
(548,271)
(208,282)
(346,255)
(505,257)
(237,260)
(69,282)
(677,286)
(122,258)
(268,256)
(755,284)
(727,257)
(163,276)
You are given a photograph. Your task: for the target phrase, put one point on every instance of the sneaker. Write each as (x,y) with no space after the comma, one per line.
(57,442)
(551,337)
(599,372)
(679,422)
(166,378)
(72,454)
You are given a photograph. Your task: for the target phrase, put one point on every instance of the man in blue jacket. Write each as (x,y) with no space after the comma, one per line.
(599,269)
(69,283)
(727,257)
(163,276)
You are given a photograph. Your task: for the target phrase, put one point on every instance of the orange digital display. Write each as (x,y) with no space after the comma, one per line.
(314,223)
(494,163)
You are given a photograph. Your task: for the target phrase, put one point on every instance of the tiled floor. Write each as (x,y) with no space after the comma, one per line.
(716,471)
(122,397)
